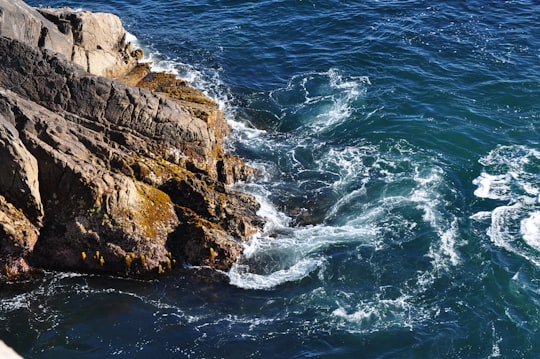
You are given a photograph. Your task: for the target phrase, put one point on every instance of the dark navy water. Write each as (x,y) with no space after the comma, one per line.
(399,146)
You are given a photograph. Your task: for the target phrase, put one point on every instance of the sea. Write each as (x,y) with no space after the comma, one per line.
(399,151)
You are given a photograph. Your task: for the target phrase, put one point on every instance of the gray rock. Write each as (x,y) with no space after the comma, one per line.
(19,171)
(94,41)
(22,22)
(99,41)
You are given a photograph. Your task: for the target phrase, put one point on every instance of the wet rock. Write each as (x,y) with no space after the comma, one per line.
(18,236)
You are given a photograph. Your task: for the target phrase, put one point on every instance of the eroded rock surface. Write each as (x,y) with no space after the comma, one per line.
(100,176)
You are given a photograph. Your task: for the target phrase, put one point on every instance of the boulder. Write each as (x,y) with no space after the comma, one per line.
(94,41)
(99,41)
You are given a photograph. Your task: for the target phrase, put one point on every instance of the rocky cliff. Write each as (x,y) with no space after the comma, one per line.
(101,176)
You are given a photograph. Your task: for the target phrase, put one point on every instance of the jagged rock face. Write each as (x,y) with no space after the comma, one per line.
(19,180)
(99,41)
(21,22)
(103,177)
(95,41)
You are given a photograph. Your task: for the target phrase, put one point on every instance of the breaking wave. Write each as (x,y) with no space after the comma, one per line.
(346,213)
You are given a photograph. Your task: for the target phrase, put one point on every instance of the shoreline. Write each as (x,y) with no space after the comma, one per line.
(125,175)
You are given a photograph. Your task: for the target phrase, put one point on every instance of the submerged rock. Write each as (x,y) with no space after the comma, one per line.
(101,176)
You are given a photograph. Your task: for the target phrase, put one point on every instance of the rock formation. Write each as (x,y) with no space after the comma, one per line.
(95,41)
(97,175)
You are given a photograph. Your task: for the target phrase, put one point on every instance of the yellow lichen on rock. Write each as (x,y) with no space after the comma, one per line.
(127,260)
(155,216)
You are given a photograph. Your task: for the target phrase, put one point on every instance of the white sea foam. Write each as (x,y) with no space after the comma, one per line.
(410,197)
(318,101)
(443,253)
(206,80)
(510,174)
(133,39)
(281,253)
(379,314)
(241,277)
(530,230)
(290,254)
(495,349)
(492,186)
(346,92)
(425,194)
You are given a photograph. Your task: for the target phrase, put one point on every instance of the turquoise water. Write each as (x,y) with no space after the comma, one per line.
(399,147)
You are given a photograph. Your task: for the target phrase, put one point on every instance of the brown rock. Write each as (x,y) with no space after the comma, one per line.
(103,177)
(18,236)
(19,172)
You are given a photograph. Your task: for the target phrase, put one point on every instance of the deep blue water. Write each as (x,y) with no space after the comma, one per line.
(399,142)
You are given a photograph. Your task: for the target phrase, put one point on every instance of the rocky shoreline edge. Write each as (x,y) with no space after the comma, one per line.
(106,167)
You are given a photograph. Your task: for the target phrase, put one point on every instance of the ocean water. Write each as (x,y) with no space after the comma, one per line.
(399,146)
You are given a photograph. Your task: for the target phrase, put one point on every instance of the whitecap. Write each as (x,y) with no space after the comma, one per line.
(510,174)
(132,39)
(241,277)
(530,230)
(409,197)
(492,186)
